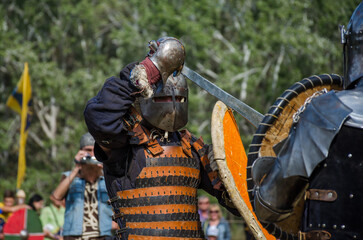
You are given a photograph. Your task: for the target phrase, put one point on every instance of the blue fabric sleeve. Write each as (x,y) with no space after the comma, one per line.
(104,112)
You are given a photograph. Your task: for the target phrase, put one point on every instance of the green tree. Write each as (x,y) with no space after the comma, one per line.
(253,49)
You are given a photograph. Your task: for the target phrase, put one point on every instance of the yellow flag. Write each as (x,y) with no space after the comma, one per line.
(20,101)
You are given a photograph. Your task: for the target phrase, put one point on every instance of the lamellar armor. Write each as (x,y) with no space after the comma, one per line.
(163,201)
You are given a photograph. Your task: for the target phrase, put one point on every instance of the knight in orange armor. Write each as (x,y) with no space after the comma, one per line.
(152,170)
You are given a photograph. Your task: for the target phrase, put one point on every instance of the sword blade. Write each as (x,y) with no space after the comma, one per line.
(250,114)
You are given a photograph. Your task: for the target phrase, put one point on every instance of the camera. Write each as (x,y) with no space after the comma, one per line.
(87,160)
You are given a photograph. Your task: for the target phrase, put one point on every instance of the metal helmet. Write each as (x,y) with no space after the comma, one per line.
(352,40)
(168,56)
(167,109)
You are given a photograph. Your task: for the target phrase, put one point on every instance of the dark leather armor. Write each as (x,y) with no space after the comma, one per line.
(338,210)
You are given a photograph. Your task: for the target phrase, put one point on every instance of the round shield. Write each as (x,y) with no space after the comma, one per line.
(23,224)
(231,159)
(275,127)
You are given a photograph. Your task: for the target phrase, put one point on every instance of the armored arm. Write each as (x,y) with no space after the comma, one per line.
(210,181)
(276,196)
(306,146)
(103,113)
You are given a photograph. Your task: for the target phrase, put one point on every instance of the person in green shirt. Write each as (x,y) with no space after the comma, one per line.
(52,218)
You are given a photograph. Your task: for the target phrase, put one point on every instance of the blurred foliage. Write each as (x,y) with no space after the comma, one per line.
(254,49)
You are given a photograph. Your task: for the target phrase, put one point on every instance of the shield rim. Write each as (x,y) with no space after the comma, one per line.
(219,111)
(316,81)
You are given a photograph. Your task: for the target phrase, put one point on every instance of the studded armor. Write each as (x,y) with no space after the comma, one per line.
(335,197)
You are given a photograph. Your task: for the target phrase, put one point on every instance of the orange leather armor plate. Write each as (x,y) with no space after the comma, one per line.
(149,172)
(157,191)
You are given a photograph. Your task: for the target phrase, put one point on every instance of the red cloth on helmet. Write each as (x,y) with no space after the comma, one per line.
(153,74)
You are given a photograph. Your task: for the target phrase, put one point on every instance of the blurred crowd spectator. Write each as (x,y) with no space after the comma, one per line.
(7,207)
(87,213)
(203,208)
(216,227)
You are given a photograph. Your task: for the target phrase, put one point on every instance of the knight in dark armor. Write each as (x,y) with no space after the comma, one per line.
(152,170)
(322,158)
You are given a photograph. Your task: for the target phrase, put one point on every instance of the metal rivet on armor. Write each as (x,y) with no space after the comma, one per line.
(310,225)
(335,226)
(330,194)
(351,195)
(319,225)
(355,236)
(323,225)
(350,155)
(325,165)
(317,193)
(343,226)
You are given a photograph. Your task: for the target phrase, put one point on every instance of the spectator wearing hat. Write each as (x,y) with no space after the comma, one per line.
(7,207)
(87,214)
(20,196)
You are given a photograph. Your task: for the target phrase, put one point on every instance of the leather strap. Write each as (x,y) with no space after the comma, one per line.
(201,148)
(315,235)
(155,191)
(160,209)
(186,138)
(321,195)
(156,200)
(185,216)
(186,225)
(132,118)
(167,181)
(139,134)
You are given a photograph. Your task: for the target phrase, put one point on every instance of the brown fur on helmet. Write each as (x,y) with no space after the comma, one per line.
(139,79)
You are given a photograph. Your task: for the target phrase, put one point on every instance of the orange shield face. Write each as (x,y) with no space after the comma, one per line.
(231,159)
